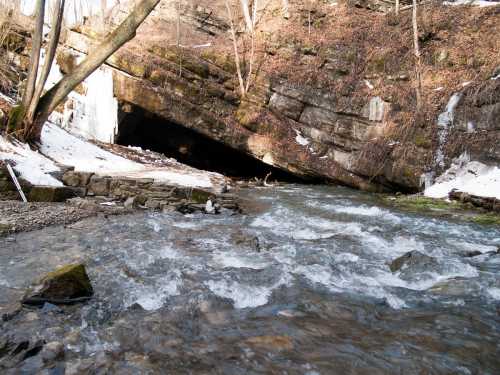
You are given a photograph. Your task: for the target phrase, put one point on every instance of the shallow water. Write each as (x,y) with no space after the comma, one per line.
(300,286)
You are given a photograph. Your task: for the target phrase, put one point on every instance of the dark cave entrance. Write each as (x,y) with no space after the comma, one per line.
(144,129)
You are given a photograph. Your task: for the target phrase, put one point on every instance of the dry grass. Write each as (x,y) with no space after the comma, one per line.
(9,78)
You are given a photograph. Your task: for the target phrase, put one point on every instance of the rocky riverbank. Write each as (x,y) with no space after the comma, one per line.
(16,216)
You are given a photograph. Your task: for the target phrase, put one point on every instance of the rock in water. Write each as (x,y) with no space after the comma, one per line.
(413,259)
(66,285)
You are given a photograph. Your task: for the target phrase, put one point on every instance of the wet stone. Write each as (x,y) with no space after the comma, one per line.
(52,351)
(66,285)
(412,259)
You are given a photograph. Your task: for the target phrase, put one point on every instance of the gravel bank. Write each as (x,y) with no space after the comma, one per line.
(16,216)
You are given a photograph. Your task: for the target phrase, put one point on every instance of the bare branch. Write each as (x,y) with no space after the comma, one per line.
(417,56)
(122,34)
(235,46)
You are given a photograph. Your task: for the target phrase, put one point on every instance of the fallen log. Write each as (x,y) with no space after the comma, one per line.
(488,203)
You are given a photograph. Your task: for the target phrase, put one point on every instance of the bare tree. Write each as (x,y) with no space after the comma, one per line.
(243,81)
(245,8)
(418,64)
(178,36)
(309,11)
(28,118)
(284,8)
(397,7)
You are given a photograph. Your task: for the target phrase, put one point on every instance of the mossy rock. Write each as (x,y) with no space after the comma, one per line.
(175,55)
(421,203)
(200,196)
(443,209)
(222,60)
(66,285)
(248,115)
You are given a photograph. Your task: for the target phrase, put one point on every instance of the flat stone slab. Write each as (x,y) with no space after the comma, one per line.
(54,193)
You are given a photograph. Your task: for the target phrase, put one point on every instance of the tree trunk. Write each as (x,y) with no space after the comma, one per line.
(284,8)
(235,47)
(123,33)
(35,56)
(418,72)
(245,8)
(55,32)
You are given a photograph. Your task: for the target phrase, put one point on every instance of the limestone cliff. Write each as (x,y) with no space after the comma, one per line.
(332,95)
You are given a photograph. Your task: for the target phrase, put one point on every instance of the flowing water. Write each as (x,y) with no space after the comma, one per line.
(299,285)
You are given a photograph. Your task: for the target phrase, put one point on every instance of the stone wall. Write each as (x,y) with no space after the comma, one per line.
(144,192)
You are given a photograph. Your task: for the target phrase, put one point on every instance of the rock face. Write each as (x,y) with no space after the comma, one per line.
(334,135)
(66,285)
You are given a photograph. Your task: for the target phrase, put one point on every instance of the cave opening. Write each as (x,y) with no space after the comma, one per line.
(138,127)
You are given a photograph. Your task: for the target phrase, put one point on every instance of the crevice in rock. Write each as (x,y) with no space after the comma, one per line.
(140,128)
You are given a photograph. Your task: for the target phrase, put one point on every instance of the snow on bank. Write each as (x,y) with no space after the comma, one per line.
(478,3)
(31,165)
(59,146)
(467,176)
(67,149)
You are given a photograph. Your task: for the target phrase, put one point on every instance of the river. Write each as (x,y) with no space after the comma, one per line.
(298,285)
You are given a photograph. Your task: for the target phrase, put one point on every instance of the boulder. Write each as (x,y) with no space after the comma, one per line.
(66,285)
(413,260)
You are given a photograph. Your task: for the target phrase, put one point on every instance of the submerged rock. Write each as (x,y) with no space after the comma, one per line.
(66,285)
(413,259)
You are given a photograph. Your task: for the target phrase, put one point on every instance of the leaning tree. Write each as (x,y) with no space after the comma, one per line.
(27,118)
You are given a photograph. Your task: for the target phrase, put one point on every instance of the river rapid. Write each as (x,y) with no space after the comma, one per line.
(300,284)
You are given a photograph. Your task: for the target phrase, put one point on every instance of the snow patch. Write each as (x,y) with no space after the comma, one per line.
(470,177)
(478,3)
(31,165)
(300,139)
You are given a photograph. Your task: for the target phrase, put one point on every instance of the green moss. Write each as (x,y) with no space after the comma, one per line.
(15,118)
(487,219)
(442,208)
(247,115)
(223,61)
(200,196)
(72,270)
(423,142)
(377,64)
(421,203)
